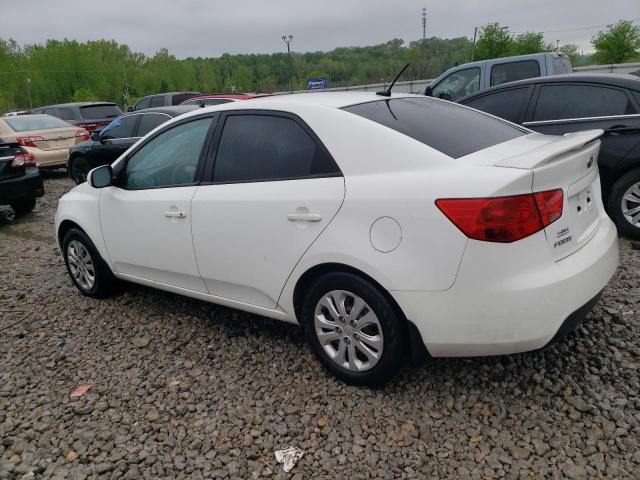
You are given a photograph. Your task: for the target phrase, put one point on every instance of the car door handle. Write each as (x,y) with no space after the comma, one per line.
(304,217)
(175,214)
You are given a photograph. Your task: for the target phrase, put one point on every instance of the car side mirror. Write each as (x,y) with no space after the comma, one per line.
(129,109)
(101,177)
(95,136)
(428,91)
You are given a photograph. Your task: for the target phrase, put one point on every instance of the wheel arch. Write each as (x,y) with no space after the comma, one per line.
(64,227)
(418,350)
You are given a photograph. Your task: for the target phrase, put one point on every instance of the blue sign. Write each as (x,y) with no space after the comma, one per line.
(317,83)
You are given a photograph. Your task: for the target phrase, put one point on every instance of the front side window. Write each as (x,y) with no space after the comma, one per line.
(143,103)
(508,104)
(149,121)
(458,84)
(266,147)
(157,101)
(120,128)
(447,127)
(169,159)
(556,102)
(512,71)
(66,114)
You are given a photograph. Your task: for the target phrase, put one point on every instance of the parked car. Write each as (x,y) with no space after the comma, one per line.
(220,98)
(162,100)
(472,77)
(107,145)
(20,180)
(45,137)
(569,103)
(381,224)
(88,115)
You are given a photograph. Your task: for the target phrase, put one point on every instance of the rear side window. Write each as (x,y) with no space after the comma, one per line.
(120,128)
(149,121)
(508,104)
(66,114)
(97,112)
(276,148)
(557,102)
(181,97)
(512,71)
(449,128)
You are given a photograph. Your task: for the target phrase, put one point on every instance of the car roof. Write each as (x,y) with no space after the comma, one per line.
(624,80)
(164,94)
(173,110)
(326,99)
(229,95)
(77,104)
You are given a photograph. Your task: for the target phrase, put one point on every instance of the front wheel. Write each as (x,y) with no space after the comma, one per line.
(353,329)
(624,203)
(79,169)
(88,271)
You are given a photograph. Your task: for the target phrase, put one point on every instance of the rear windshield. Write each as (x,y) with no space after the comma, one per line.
(98,112)
(451,129)
(25,123)
(178,98)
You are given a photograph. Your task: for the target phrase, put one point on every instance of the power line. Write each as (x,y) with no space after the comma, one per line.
(576,28)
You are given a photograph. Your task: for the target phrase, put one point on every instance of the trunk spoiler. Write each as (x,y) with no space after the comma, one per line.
(545,153)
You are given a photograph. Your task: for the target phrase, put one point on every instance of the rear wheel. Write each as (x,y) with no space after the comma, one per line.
(353,329)
(88,271)
(624,203)
(79,169)
(24,206)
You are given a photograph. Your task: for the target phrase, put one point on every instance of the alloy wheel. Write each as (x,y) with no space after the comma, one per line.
(81,265)
(348,330)
(631,205)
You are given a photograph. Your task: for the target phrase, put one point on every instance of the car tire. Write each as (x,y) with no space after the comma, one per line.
(621,199)
(379,329)
(24,206)
(87,269)
(79,167)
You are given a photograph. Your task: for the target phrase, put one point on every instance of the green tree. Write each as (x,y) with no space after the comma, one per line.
(571,51)
(618,44)
(494,41)
(529,42)
(83,95)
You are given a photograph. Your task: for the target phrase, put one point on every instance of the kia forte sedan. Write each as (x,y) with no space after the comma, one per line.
(388,227)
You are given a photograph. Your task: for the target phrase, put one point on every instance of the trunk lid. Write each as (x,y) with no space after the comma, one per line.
(55,139)
(7,154)
(569,162)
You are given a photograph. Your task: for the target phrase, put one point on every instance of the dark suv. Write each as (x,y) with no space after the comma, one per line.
(88,115)
(569,103)
(163,100)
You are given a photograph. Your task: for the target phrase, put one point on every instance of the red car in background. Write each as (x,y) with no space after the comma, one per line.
(220,98)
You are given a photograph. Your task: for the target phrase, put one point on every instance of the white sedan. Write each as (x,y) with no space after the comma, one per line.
(388,227)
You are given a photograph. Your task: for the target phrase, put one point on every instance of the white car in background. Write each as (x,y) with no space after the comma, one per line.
(388,227)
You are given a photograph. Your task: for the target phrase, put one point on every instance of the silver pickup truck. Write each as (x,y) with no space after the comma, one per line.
(469,78)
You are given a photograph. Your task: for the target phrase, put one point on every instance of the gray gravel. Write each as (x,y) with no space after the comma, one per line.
(184,389)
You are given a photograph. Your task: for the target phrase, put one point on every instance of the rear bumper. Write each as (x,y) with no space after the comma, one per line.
(21,188)
(508,300)
(50,158)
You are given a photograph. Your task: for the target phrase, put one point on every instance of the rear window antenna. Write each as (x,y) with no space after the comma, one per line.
(387,92)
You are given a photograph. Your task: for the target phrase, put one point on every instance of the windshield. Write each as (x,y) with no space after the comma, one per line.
(447,127)
(25,123)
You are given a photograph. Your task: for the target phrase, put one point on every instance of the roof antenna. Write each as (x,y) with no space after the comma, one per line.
(387,92)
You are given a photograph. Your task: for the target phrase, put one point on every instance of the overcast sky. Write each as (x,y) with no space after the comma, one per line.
(211,27)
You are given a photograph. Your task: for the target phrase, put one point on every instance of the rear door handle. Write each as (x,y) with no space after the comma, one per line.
(304,217)
(175,214)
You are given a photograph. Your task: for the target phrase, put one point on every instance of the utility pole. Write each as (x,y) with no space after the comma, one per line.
(557,45)
(424,26)
(126,88)
(287,39)
(29,93)
(473,50)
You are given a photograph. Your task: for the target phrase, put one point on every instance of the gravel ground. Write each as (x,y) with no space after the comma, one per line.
(185,389)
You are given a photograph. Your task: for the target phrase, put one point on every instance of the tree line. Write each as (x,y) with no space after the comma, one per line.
(67,70)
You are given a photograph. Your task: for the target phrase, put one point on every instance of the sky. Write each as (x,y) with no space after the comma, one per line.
(209,28)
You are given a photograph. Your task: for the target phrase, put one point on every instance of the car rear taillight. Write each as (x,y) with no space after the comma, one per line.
(503,219)
(23,160)
(82,135)
(29,141)
(88,126)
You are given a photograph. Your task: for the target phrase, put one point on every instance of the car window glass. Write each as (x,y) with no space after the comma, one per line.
(149,121)
(178,98)
(556,102)
(143,103)
(51,111)
(277,148)
(436,124)
(168,159)
(157,101)
(458,84)
(24,123)
(98,112)
(562,65)
(508,104)
(637,95)
(216,101)
(512,71)
(120,128)
(66,114)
